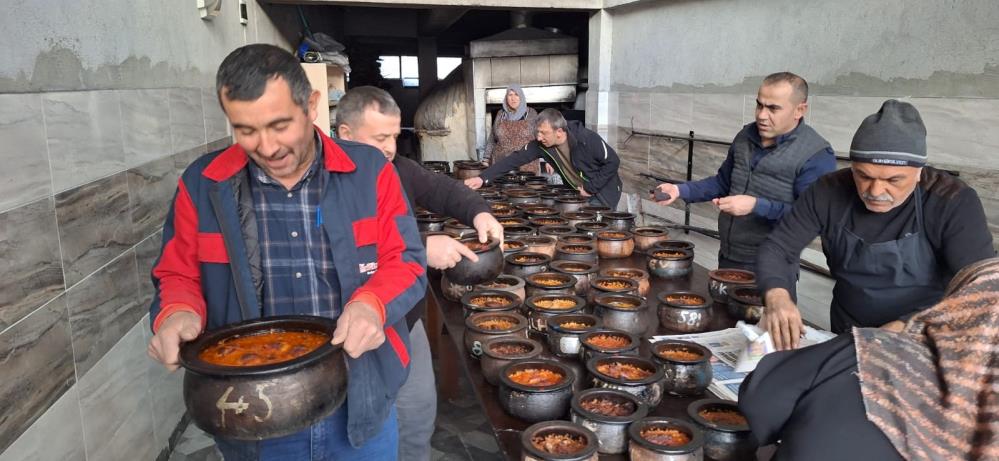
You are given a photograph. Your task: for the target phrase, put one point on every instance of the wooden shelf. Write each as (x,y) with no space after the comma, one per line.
(325,77)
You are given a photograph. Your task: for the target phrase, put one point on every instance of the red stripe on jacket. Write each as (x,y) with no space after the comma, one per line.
(394,275)
(178,270)
(400,348)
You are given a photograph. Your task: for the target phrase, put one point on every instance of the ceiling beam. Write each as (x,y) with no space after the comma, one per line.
(436,20)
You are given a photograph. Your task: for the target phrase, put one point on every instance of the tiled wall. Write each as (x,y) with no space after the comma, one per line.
(961,136)
(87,180)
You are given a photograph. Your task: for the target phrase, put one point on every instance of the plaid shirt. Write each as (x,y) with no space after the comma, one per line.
(293,245)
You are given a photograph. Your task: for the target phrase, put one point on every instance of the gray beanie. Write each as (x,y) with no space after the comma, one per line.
(893,136)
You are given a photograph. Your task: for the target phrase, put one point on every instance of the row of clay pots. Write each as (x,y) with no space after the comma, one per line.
(644,438)
(551,400)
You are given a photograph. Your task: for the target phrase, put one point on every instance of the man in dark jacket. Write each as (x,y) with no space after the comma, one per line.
(369,115)
(580,156)
(770,163)
(288,221)
(894,232)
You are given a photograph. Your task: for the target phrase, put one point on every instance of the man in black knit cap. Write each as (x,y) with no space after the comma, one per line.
(894,232)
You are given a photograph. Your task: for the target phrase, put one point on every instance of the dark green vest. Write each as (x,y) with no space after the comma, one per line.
(773,179)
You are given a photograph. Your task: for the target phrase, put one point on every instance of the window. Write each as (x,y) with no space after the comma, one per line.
(407,68)
(445,66)
(399,67)
(389,66)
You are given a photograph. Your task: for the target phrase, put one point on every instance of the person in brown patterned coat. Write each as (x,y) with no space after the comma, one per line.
(927,392)
(513,128)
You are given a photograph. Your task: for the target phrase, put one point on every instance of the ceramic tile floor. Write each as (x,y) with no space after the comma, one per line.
(461,434)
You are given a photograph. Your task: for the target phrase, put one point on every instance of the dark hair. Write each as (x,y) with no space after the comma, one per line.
(350,109)
(554,119)
(798,84)
(244,74)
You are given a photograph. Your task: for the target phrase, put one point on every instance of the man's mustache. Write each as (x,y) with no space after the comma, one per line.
(877,198)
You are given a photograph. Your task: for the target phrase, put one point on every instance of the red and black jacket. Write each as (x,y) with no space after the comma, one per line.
(209,241)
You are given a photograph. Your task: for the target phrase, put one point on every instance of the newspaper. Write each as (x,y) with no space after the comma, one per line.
(726,345)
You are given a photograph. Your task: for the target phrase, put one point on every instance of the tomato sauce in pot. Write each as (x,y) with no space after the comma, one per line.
(263,349)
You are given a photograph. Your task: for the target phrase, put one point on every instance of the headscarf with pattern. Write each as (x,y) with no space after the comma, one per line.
(521,110)
(933,389)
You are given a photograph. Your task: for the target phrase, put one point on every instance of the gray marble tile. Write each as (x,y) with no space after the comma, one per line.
(218,144)
(151,188)
(708,212)
(145,119)
(717,116)
(114,400)
(94,225)
(614,119)
(56,435)
(668,159)
(836,118)
(216,125)
(182,160)
(504,71)
(168,404)
(26,176)
(634,111)
(133,440)
(634,159)
(195,445)
(36,362)
(534,70)
(84,136)
(961,131)
(707,159)
(166,393)
(749,108)
(102,309)
(205,454)
(672,113)
(187,119)
(146,253)
(30,266)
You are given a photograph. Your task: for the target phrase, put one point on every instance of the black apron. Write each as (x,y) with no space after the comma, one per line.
(880,282)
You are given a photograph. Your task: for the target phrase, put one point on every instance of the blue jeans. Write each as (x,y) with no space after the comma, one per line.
(324,441)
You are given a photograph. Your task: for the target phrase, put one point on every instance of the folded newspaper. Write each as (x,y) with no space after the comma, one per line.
(735,355)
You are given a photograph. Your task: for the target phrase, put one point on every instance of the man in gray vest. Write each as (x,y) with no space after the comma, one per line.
(770,163)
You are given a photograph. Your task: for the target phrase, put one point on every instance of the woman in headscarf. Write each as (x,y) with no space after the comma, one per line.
(928,392)
(513,128)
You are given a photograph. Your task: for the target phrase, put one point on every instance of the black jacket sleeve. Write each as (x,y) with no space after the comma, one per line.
(964,235)
(810,400)
(439,193)
(778,255)
(529,153)
(606,160)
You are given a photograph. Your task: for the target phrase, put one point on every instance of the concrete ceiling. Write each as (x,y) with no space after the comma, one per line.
(563,5)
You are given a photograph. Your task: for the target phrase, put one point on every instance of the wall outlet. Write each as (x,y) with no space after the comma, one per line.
(243,15)
(209,8)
